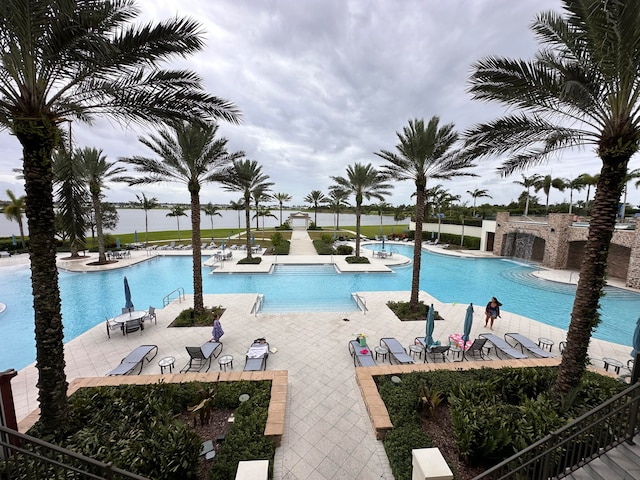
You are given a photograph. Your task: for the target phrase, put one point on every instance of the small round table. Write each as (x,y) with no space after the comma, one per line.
(166,362)
(545,342)
(380,350)
(416,349)
(224,361)
(612,362)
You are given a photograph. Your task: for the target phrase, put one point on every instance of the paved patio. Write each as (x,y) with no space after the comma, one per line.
(328,434)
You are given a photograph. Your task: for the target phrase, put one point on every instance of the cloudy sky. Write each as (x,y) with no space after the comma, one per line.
(324,84)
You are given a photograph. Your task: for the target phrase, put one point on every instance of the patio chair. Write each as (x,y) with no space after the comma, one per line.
(530,345)
(113,325)
(502,347)
(396,351)
(134,359)
(198,356)
(133,325)
(475,349)
(256,358)
(433,350)
(151,315)
(361,359)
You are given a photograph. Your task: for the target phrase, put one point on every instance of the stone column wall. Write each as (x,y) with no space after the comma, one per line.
(633,274)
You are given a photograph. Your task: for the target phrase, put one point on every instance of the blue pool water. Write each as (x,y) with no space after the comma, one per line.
(87,299)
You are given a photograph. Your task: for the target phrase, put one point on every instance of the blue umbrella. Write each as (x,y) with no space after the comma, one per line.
(135,236)
(223,244)
(428,339)
(383,243)
(253,239)
(13,240)
(636,339)
(468,320)
(127,295)
(118,243)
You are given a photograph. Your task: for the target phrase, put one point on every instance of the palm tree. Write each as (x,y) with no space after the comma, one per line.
(176,212)
(65,61)
(528,182)
(581,88)
(589,181)
(363,181)
(263,212)
(146,204)
(635,173)
(71,192)
(475,194)
(315,198)
(259,194)
(245,176)
(96,171)
(573,184)
(381,207)
(545,184)
(238,206)
(211,211)
(423,152)
(281,198)
(337,200)
(187,153)
(14,210)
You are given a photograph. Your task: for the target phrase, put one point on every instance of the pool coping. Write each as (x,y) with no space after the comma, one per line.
(274,428)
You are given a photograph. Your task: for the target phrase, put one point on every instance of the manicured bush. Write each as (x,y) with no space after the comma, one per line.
(250,261)
(357,260)
(344,250)
(323,248)
(187,318)
(398,444)
(403,311)
(283,248)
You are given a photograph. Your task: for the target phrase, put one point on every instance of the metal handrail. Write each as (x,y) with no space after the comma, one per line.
(257,305)
(360,302)
(167,298)
(25,457)
(566,450)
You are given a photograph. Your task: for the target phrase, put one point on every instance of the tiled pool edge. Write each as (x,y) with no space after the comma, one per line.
(378,414)
(274,428)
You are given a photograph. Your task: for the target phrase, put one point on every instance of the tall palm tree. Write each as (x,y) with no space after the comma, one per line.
(337,200)
(589,181)
(146,204)
(475,194)
(14,210)
(245,176)
(545,184)
(189,153)
(238,206)
(65,61)
(423,152)
(71,193)
(315,198)
(263,212)
(573,184)
(176,212)
(581,88)
(528,182)
(259,195)
(211,211)
(281,198)
(363,182)
(96,170)
(633,174)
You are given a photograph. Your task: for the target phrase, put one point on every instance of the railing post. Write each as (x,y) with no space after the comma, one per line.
(7,410)
(546,466)
(633,413)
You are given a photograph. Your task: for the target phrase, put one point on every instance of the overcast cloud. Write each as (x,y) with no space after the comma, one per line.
(324,84)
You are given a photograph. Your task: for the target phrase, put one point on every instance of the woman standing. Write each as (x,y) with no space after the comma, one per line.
(492,311)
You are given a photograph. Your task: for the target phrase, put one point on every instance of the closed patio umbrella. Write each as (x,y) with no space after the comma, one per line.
(135,236)
(428,338)
(636,339)
(468,321)
(127,295)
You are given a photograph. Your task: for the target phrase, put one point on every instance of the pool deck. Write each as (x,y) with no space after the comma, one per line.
(328,433)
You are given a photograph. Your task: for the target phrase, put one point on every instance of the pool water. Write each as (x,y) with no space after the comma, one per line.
(89,298)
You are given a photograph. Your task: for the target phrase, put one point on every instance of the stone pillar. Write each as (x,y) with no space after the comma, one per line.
(502,218)
(429,464)
(557,241)
(633,274)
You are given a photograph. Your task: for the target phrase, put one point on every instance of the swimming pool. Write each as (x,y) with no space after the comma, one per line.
(87,299)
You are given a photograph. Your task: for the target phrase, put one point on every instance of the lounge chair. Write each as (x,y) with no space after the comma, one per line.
(475,349)
(433,350)
(256,358)
(529,344)
(502,346)
(4,253)
(361,359)
(198,356)
(396,351)
(135,359)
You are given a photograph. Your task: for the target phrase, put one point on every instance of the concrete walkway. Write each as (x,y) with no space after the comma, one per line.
(301,243)
(328,435)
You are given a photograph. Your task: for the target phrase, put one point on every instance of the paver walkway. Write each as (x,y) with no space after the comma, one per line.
(301,243)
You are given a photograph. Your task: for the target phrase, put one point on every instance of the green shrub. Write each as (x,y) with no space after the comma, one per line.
(344,250)
(398,444)
(250,261)
(187,318)
(283,248)
(403,311)
(323,248)
(277,239)
(357,260)
(313,226)
(326,238)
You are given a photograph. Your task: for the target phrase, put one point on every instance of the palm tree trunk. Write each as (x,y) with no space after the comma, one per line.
(21,227)
(198,301)
(247,220)
(146,228)
(38,140)
(526,205)
(584,315)
(358,205)
(97,208)
(417,249)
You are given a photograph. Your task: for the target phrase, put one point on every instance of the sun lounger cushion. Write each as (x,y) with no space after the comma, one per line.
(396,350)
(256,357)
(134,359)
(502,346)
(362,355)
(529,344)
